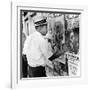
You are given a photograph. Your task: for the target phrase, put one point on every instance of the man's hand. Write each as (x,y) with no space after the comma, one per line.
(49,64)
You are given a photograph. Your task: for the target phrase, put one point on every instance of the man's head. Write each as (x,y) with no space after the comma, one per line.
(42,29)
(41,25)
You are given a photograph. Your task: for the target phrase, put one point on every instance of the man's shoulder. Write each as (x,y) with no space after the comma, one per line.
(35,34)
(38,35)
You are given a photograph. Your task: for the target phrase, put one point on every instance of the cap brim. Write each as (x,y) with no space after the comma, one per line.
(40,24)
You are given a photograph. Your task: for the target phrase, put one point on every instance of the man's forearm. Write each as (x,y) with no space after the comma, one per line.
(56,55)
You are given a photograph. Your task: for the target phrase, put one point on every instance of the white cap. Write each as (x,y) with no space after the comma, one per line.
(40,20)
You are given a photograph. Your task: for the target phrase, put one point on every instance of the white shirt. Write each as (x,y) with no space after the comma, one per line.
(36,50)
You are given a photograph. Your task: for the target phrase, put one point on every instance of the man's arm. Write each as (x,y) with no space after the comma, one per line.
(44,48)
(45,51)
(56,55)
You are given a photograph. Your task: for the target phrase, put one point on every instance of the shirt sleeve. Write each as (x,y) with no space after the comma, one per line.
(44,49)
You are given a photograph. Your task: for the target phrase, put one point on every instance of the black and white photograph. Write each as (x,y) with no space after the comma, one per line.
(45,45)
(49,44)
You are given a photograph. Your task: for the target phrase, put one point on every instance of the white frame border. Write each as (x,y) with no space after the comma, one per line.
(15,46)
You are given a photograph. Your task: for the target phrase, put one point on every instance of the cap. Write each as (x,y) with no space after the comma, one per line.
(40,20)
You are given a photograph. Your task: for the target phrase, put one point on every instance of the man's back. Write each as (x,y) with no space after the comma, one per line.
(32,49)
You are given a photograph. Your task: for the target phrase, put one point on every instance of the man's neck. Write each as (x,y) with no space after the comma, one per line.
(41,33)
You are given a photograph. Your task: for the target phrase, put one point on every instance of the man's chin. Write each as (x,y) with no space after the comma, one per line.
(43,34)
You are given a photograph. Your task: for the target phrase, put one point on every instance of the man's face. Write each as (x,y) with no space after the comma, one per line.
(44,30)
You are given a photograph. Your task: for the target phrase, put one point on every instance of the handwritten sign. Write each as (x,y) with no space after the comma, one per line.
(73,64)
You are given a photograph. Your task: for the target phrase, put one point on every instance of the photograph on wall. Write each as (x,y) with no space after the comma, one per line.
(50,44)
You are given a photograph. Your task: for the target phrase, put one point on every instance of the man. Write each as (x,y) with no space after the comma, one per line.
(36,49)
